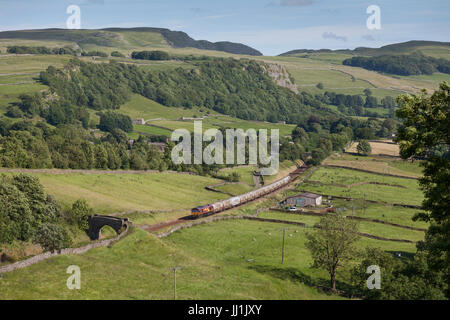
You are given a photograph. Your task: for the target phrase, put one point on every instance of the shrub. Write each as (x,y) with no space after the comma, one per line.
(95,54)
(150,55)
(117,54)
(111,120)
(14,112)
(52,237)
(364,148)
(79,214)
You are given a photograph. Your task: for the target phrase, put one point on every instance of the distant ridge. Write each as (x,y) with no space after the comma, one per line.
(108,37)
(395,48)
(180,39)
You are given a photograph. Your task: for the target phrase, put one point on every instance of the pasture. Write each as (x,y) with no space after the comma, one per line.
(354,184)
(141,107)
(377,164)
(109,193)
(379,148)
(221,260)
(377,229)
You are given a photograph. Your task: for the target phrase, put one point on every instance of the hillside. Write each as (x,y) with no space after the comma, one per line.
(127,38)
(432,48)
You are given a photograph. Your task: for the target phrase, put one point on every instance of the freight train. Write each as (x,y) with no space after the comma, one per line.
(223,205)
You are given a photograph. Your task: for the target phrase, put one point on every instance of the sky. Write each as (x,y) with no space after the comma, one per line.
(270,26)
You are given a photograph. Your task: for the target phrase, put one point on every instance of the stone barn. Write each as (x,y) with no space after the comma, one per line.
(139,121)
(305,199)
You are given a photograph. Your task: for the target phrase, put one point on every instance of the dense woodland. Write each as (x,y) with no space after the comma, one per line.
(150,55)
(237,88)
(28,214)
(359,105)
(67,138)
(39,50)
(403,65)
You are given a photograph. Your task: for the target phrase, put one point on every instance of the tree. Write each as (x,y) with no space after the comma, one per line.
(399,280)
(111,120)
(80,213)
(425,133)
(15,213)
(371,102)
(331,245)
(52,237)
(364,148)
(150,55)
(320,86)
(364,133)
(388,102)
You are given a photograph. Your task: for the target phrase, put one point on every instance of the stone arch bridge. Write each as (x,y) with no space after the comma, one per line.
(97,222)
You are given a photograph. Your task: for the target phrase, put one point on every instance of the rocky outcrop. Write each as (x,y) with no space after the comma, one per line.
(280,75)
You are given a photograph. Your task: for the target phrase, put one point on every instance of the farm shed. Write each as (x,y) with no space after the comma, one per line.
(139,121)
(303,200)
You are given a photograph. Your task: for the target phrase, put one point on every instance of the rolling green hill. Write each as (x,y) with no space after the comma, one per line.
(127,38)
(432,48)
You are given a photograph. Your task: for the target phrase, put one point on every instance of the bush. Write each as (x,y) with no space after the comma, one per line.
(364,148)
(24,207)
(150,55)
(79,214)
(52,237)
(110,121)
(117,54)
(95,54)
(234,177)
(14,112)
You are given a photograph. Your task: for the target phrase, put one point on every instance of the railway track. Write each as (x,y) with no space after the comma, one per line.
(152,228)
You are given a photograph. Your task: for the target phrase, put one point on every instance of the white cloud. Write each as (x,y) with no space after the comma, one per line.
(331,35)
(295,3)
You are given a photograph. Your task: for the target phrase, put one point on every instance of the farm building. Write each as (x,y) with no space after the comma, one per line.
(139,121)
(303,200)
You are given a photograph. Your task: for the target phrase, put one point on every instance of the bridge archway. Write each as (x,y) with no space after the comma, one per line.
(97,222)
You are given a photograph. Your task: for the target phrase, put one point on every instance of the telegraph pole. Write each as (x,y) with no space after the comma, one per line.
(175,281)
(282,252)
(353,207)
(375,190)
(364,205)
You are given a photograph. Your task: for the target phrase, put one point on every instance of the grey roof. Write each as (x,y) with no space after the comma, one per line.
(305,195)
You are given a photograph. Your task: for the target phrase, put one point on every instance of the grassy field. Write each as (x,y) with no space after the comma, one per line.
(376,229)
(236,259)
(245,173)
(235,189)
(379,148)
(141,107)
(151,130)
(378,164)
(223,260)
(309,70)
(108,193)
(399,190)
